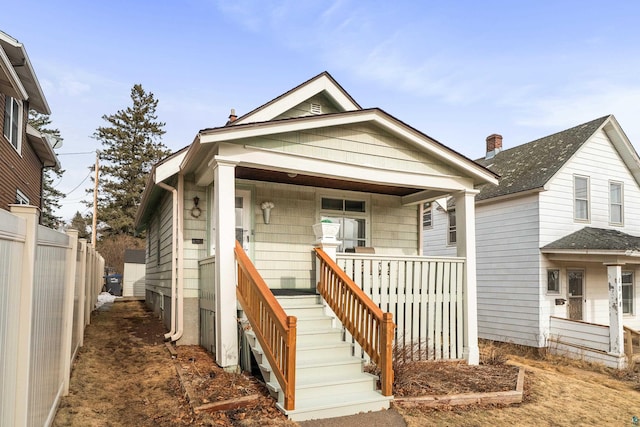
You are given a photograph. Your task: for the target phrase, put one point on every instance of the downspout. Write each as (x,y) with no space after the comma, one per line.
(174,250)
(180,244)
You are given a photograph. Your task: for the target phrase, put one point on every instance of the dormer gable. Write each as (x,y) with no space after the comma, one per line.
(318,95)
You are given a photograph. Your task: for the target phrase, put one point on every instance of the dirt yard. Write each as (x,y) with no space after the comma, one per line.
(125,376)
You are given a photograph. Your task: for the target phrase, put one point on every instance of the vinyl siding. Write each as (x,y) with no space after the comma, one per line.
(363,144)
(158,275)
(193,228)
(435,237)
(304,108)
(508,271)
(598,160)
(283,249)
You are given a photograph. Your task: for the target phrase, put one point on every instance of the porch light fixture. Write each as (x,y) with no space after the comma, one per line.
(266,211)
(195,210)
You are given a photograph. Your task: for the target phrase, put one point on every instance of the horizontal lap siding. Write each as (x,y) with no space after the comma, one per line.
(355,144)
(435,237)
(283,248)
(508,271)
(20,171)
(394,228)
(158,276)
(598,160)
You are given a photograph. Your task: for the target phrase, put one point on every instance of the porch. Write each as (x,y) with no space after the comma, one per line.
(376,302)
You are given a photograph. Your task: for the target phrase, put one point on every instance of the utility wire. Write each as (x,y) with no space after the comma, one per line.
(81,182)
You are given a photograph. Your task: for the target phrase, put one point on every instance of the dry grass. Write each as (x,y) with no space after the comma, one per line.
(559,392)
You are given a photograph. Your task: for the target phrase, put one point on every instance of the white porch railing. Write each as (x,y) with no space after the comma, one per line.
(584,341)
(48,281)
(423,294)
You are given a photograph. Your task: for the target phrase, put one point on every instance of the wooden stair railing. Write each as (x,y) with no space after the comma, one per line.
(275,331)
(628,340)
(364,320)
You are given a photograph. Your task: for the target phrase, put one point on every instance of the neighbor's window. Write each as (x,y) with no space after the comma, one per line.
(581,198)
(351,215)
(451,235)
(616,209)
(426,215)
(12,121)
(553,281)
(21,198)
(627,292)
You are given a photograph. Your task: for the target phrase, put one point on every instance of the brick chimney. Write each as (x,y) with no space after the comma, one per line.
(232,116)
(494,145)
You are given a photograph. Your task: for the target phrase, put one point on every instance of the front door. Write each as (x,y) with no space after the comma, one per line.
(243,218)
(576,294)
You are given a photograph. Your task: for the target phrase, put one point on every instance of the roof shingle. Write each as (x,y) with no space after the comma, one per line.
(531,165)
(590,238)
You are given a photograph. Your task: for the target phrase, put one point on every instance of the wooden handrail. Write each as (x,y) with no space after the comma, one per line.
(364,320)
(275,331)
(628,334)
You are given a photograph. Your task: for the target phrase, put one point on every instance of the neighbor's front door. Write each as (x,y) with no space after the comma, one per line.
(576,294)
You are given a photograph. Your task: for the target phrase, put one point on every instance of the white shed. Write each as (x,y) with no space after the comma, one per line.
(134,273)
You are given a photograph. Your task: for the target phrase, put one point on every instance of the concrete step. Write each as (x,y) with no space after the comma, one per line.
(296,301)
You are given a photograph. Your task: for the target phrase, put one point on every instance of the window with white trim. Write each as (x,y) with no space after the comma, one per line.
(581,198)
(627,293)
(12,120)
(21,198)
(616,207)
(427,215)
(553,281)
(451,231)
(352,216)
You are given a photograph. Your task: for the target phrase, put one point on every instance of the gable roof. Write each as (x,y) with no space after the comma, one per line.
(17,76)
(595,239)
(530,166)
(322,83)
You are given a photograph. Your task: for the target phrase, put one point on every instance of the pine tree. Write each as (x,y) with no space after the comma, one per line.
(131,146)
(78,222)
(51,197)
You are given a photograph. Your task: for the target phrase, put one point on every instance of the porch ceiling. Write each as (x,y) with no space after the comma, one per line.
(321,182)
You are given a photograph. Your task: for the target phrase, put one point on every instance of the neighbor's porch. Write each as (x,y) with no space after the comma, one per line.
(593,307)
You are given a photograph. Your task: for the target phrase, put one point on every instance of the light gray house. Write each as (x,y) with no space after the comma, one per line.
(265,179)
(557,244)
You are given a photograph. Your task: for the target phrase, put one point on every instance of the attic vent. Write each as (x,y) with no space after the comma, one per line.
(316,108)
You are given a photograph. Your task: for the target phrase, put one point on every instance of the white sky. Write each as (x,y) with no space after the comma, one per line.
(457,71)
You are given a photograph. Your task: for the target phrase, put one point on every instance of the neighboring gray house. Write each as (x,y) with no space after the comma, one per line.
(556,240)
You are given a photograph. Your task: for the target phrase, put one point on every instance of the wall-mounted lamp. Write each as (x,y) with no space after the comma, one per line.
(266,211)
(195,210)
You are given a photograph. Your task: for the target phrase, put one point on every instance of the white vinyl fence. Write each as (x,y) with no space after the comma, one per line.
(49,282)
(423,294)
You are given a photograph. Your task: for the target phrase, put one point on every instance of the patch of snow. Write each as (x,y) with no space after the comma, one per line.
(105,298)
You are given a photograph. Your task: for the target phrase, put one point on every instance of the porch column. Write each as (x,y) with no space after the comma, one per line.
(616,337)
(225,269)
(466,247)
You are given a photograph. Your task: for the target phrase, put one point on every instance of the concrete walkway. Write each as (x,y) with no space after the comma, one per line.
(389,418)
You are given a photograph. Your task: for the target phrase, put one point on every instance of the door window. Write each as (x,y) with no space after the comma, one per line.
(576,293)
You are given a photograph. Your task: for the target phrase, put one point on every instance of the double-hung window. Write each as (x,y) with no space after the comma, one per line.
(21,198)
(427,217)
(581,198)
(616,207)
(627,293)
(451,232)
(12,121)
(352,215)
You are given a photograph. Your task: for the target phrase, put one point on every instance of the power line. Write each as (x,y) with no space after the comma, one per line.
(74,154)
(81,182)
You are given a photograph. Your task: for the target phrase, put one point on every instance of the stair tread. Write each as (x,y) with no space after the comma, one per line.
(313,382)
(339,400)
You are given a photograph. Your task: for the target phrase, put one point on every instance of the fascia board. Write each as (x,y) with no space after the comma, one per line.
(18,90)
(263,158)
(169,168)
(623,146)
(300,95)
